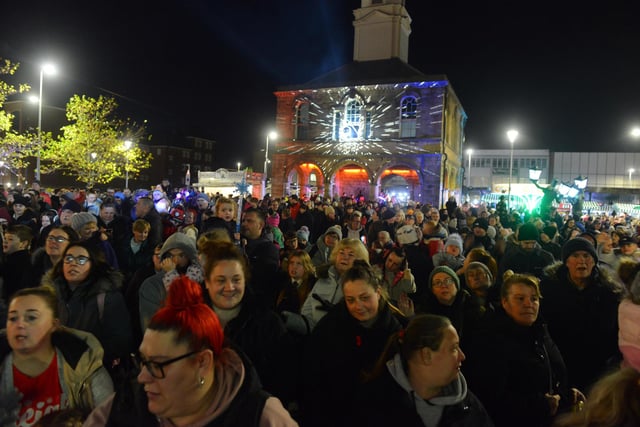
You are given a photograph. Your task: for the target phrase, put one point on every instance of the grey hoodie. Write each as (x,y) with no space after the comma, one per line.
(429,411)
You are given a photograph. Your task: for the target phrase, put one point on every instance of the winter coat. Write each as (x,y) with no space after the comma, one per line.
(83,379)
(525,262)
(583,323)
(16,273)
(464,313)
(339,350)
(389,400)
(97,306)
(260,333)
(511,367)
(239,401)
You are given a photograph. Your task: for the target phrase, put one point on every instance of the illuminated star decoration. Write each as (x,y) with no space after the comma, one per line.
(242,187)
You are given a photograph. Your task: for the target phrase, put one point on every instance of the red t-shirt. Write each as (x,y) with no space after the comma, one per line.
(41,394)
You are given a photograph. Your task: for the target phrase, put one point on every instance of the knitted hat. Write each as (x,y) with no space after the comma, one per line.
(335,229)
(528,231)
(202,196)
(21,200)
(71,205)
(273,220)
(626,240)
(477,265)
(482,223)
(444,269)
(303,233)
(388,214)
(180,241)
(80,219)
(578,244)
(454,239)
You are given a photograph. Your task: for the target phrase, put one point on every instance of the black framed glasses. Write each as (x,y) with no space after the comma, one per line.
(79,260)
(58,239)
(156,369)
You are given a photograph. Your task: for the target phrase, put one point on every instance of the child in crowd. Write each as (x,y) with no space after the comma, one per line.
(451,256)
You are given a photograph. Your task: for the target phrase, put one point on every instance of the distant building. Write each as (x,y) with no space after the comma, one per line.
(376,127)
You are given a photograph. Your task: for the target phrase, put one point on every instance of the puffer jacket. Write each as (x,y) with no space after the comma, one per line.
(83,379)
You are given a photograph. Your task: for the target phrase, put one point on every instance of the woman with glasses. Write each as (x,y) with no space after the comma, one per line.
(90,299)
(45,367)
(189,375)
(513,364)
(448,300)
(43,259)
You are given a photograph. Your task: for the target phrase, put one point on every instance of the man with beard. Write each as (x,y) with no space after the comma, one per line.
(527,257)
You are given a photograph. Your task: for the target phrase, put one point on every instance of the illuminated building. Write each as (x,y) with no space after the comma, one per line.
(373,127)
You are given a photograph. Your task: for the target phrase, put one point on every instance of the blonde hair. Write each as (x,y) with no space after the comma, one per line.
(614,401)
(358,247)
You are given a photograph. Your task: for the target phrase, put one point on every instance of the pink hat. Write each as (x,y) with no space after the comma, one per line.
(273,220)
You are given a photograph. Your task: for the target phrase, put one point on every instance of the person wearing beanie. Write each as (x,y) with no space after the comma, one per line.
(526,256)
(581,309)
(451,255)
(321,250)
(480,236)
(479,282)
(303,238)
(449,300)
(86,225)
(548,241)
(178,257)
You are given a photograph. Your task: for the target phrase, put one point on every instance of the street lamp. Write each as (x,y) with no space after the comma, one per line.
(469,152)
(271,135)
(631,171)
(238,166)
(512,135)
(127,146)
(48,69)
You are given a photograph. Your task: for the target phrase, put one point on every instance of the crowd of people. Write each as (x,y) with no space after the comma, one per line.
(175,307)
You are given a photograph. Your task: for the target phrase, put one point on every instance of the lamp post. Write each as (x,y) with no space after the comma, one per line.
(512,135)
(631,171)
(127,146)
(49,69)
(238,166)
(469,152)
(271,135)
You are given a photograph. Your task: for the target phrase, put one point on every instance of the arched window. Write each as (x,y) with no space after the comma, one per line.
(301,131)
(408,114)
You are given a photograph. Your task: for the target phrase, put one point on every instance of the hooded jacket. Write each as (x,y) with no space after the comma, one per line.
(106,316)
(389,400)
(84,381)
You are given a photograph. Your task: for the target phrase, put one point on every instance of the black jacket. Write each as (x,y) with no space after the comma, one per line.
(583,323)
(339,349)
(384,403)
(511,367)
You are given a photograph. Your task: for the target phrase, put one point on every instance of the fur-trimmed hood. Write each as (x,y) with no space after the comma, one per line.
(558,272)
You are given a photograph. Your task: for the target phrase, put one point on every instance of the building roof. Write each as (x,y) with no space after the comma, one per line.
(358,73)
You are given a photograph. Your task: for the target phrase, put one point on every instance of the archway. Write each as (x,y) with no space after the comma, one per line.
(351,180)
(400,184)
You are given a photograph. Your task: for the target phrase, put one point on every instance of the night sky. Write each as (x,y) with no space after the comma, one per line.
(567,79)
